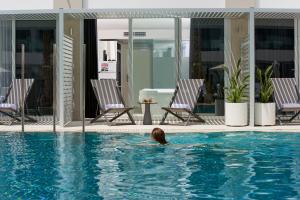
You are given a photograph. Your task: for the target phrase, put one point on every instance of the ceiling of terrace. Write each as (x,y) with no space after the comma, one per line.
(155,13)
(277,13)
(149,13)
(29,15)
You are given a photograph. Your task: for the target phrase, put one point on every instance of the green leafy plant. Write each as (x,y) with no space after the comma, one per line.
(236,90)
(266,88)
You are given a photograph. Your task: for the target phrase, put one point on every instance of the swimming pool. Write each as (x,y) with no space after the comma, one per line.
(239,165)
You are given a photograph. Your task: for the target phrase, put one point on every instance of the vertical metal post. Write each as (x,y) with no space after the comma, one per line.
(81,42)
(130,61)
(83,85)
(22,84)
(228,56)
(178,39)
(13,45)
(296,49)
(251,30)
(54,87)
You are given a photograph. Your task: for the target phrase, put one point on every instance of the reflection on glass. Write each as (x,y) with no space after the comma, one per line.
(113,53)
(38,38)
(202,50)
(153,56)
(6,70)
(5,56)
(274,43)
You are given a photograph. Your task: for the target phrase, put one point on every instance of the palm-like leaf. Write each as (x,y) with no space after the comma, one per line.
(266,87)
(236,91)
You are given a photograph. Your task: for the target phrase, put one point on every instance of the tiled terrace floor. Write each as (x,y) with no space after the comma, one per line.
(213,124)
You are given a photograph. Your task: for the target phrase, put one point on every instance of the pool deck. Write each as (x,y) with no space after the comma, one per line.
(76,127)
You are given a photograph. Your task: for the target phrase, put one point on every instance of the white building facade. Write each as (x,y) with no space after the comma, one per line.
(149,44)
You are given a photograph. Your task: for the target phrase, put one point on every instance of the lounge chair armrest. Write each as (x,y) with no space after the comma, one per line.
(2,99)
(174,95)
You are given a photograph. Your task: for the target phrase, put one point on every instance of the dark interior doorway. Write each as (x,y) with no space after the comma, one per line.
(90,40)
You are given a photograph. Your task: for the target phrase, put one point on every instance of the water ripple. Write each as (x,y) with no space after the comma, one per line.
(234,165)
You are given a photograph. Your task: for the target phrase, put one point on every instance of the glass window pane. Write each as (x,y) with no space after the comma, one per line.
(38,38)
(274,43)
(154,64)
(6,68)
(202,50)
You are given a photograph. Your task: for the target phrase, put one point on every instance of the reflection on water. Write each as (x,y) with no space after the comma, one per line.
(114,166)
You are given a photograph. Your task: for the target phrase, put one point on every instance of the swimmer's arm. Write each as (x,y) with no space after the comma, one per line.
(147,141)
(147,144)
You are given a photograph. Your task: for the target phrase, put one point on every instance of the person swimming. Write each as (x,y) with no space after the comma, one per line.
(158,135)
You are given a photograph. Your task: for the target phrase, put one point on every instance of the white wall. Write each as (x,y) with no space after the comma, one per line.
(102,4)
(25,4)
(278,4)
(155,29)
(155,4)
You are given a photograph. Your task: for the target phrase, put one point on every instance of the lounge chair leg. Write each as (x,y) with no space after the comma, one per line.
(96,118)
(131,118)
(197,117)
(30,118)
(293,117)
(162,122)
(176,115)
(118,115)
(280,121)
(13,117)
(188,119)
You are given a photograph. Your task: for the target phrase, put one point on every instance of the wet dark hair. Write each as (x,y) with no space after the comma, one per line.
(159,135)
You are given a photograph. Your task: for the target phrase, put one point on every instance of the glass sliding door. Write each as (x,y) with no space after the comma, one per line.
(154,65)
(112,62)
(184,71)
(113,52)
(274,45)
(38,38)
(6,65)
(202,52)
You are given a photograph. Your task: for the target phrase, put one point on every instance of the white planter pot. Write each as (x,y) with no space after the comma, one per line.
(265,114)
(236,114)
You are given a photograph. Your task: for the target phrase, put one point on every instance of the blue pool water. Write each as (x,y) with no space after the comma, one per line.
(239,165)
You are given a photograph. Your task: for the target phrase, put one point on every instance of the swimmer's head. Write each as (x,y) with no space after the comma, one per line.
(159,136)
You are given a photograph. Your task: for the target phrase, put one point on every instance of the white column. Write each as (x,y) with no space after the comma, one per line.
(251,30)
(60,69)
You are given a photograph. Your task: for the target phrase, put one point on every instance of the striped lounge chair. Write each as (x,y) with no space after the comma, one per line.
(184,100)
(110,100)
(11,104)
(286,95)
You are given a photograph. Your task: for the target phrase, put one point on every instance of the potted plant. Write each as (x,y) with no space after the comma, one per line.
(236,107)
(265,109)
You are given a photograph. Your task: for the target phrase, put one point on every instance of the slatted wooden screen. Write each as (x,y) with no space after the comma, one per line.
(68,78)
